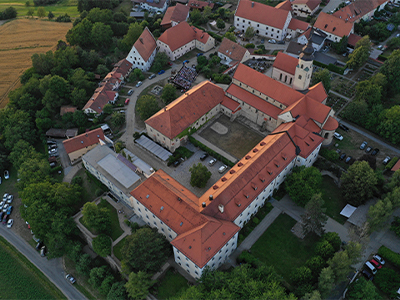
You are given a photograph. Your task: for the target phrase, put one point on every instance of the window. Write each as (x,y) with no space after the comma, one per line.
(299,76)
(280,77)
(237,19)
(272,29)
(170,236)
(187,265)
(178,257)
(147,216)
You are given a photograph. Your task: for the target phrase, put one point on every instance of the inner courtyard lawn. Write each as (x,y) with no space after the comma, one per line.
(280,248)
(332,196)
(171,285)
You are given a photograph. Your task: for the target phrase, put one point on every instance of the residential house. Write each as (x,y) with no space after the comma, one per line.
(335,28)
(317,38)
(174,15)
(143,51)
(296,27)
(182,38)
(360,10)
(232,53)
(305,8)
(159,6)
(101,96)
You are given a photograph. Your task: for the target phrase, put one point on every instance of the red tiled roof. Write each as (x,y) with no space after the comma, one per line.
(145,44)
(358,9)
(181,34)
(187,109)
(285,5)
(67,109)
(333,25)
(285,63)
(254,101)
(230,104)
(176,13)
(266,85)
(396,166)
(262,13)
(353,39)
(101,97)
(232,50)
(123,67)
(317,92)
(83,140)
(196,4)
(312,4)
(297,24)
(331,124)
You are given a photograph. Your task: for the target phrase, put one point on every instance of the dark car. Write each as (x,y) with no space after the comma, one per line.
(177,162)
(363,145)
(375,151)
(341,157)
(368,275)
(368,150)
(348,159)
(203,156)
(5,220)
(161,72)
(280,42)
(343,127)
(9,210)
(152,76)
(39,245)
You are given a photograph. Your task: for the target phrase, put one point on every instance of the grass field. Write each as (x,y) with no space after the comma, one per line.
(65,6)
(118,247)
(20,279)
(20,39)
(280,248)
(171,285)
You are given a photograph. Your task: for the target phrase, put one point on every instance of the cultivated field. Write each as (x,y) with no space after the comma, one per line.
(19,40)
(61,8)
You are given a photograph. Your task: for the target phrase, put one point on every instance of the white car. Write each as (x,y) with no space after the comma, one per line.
(5,196)
(338,136)
(272,41)
(10,223)
(2,203)
(70,278)
(222,168)
(5,207)
(10,199)
(379,259)
(6,174)
(212,162)
(139,84)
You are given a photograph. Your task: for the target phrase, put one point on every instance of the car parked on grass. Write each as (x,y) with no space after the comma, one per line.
(376,264)
(5,220)
(9,210)
(272,41)
(222,168)
(5,196)
(70,278)
(375,151)
(130,92)
(379,259)
(6,174)
(338,136)
(203,156)
(10,223)
(386,160)
(10,199)
(368,150)
(348,159)
(212,162)
(342,156)
(363,145)
(5,207)
(139,84)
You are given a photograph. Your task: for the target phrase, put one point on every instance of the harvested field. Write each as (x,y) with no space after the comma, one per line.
(20,39)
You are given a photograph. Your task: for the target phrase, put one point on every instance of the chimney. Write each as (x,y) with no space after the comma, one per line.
(221,208)
(141,40)
(203,204)
(165,108)
(211,197)
(252,4)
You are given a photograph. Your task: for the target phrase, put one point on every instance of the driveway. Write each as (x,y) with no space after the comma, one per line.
(53,268)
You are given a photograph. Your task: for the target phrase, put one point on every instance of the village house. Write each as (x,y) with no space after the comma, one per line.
(174,15)
(335,28)
(305,8)
(360,10)
(143,51)
(232,53)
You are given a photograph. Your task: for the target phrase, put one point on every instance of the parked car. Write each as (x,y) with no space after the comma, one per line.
(53,164)
(379,259)
(342,156)
(0,179)
(161,72)
(368,150)
(2,203)
(338,136)
(70,278)
(39,245)
(6,174)
(5,220)
(1,215)
(343,127)
(43,251)
(50,142)
(281,42)
(212,162)
(130,92)
(203,156)
(10,223)
(386,160)
(272,41)
(9,210)
(152,76)
(177,162)
(368,275)
(371,268)
(10,199)
(348,159)
(199,54)
(185,62)
(49,147)
(222,169)
(363,145)
(325,49)
(139,84)
(169,63)
(375,151)
(5,207)
(127,101)
(376,264)
(262,41)
(5,196)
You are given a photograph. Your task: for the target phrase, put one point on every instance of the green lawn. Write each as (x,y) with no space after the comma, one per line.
(171,285)
(65,6)
(280,248)
(116,230)
(20,279)
(118,247)
(332,196)
(124,6)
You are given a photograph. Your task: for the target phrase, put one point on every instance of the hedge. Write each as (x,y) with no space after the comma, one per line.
(218,156)
(330,67)
(247,258)
(215,36)
(390,255)
(391,164)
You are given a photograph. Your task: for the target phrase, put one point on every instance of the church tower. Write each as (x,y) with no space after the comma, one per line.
(304,69)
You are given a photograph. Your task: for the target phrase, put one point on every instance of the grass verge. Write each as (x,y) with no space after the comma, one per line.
(118,247)
(172,284)
(116,230)
(280,248)
(332,196)
(20,279)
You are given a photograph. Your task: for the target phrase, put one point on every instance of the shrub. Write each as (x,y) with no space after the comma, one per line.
(98,192)
(215,36)
(390,255)
(77,180)
(390,165)
(250,46)
(325,249)
(388,280)
(330,155)
(248,258)
(102,245)
(256,221)
(334,239)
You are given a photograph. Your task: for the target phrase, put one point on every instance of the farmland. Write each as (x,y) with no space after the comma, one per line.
(20,39)
(20,279)
(63,7)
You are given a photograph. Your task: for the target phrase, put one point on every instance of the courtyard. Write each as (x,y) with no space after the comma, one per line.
(232,137)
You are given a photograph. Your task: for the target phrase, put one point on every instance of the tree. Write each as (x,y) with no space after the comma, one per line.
(315,264)
(195,16)
(117,119)
(117,292)
(145,250)
(83,264)
(168,94)
(43,63)
(388,280)
(33,170)
(369,92)
(41,12)
(21,152)
(160,60)
(27,3)
(334,239)
(301,276)
(314,218)
(146,106)
(30,12)
(96,218)
(220,24)
(101,35)
(326,282)
(362,289)
(393,43)
(315,295)
(97,275)
(8,13)
(107,109)
(50,15)
(341,46)
(390,123)
(322,76)
(79,118)
(106,285)
(79,34)
(303,183)
(358,57)
(75,251)
(358,183)
(102,245)
(371,160)
(324,249)
(249,33)
(138,285)
(199,175)
(230,36)
(380,213)
(102,70)
(354,251)
(134,32)
(341,265)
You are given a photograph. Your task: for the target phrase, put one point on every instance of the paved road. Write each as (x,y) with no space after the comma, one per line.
(370,136)
(51,268)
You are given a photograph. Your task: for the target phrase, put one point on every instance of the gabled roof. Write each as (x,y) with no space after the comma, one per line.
(262,13)
(285,5)
(333,25)
(358,9)
(83,140)
(232,50)
(297,24)
(230,104)
(285,63)
(123,67)
(181,34)
(100,97)
(176,13)
(145,44)
(312,4)
(353,39)
(266,85)
(317,92)
(396,166)
(187,109)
